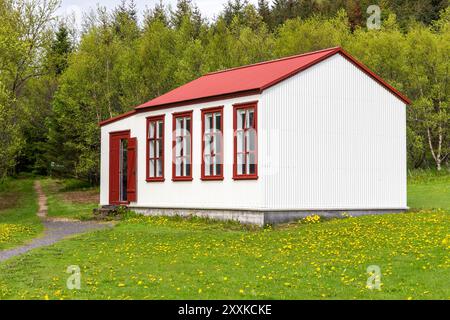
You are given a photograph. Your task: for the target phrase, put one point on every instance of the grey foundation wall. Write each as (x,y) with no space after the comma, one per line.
(259,218)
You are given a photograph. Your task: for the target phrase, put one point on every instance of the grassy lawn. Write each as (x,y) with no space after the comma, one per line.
(429,191)
(162,258)
(156,258)
(69,198)
(18,207)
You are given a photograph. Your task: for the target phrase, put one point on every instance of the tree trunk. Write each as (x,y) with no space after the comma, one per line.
(436,155)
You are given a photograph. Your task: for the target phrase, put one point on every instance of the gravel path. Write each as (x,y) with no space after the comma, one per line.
(55,229)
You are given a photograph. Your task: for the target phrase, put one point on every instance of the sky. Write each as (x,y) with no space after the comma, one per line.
(209,8)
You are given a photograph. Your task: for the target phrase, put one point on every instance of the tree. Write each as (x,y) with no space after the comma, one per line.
(10,135)
(265,12)
(234,9)
(124,20)
(185,9)
(299,36)
(158,12)
(25,34)
(427,59)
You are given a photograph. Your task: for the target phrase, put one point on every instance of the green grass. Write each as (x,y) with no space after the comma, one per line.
(18,219)
(429,191)
(162,258)
(60,207)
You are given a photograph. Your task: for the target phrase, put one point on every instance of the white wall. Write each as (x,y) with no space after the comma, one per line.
(226,194)
(336,139)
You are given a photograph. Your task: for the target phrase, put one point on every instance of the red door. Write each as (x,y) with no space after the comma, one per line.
(122,168)
(132,158)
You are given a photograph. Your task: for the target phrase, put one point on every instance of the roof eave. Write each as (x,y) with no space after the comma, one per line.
(244,93)
(117,118)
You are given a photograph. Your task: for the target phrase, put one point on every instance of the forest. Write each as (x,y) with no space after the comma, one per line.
(58,81)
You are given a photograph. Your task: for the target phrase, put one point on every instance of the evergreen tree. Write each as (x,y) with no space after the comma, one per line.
(158,12)
(234,9)
(265,12)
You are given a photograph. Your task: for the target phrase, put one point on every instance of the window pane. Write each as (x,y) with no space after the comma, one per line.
(240,141)
(218,169)
(208,122)
(178,146)
(159,168)
(250,135)
(240,164)
(188,169)
(160,130)
(207,165)
(251,163)
(179,127)
(178,164)
(151,146)
(151,129)
(187,146)
(151,168)
(218,143)
(157,149)
(250,118)
(240,119)
(188,125)
(161,148)
(207,144)
(218,118)
(213,171)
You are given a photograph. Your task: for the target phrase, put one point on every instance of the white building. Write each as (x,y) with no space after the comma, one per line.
(269,142)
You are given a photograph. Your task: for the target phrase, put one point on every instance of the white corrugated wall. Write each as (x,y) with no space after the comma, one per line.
(333,138)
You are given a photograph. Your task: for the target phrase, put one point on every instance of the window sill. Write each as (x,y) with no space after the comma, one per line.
(212,178)
(155,180)
(246,177)
(176,179)
(120,203)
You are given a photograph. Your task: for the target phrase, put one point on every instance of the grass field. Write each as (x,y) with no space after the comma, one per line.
(18,207)
(69,198)
(429,191)
(161,258)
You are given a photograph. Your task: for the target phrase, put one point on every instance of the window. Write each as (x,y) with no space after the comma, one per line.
(212,146)
(245,141)
(155,148)
(182,146)
(123,170)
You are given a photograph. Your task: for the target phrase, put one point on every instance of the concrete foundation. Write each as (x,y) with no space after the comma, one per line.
(259,218)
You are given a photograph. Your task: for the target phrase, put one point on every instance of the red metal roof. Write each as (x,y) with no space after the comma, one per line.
(248,80)
(251,79)
(237,80)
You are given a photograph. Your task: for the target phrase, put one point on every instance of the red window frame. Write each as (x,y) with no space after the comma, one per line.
(247,105)
(204,113)
(175,116)
(161,156)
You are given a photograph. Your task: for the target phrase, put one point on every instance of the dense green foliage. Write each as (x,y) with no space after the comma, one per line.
(66,85)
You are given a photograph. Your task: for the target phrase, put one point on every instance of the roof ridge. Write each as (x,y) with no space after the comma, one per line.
(273,61)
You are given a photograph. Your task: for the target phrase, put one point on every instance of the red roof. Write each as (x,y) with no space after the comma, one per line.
(248,80)
(251,79)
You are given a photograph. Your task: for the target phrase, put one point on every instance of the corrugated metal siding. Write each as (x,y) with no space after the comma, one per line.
(334,139)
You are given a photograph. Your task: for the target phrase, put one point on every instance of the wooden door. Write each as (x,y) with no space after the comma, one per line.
(118,167)
(132,162)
